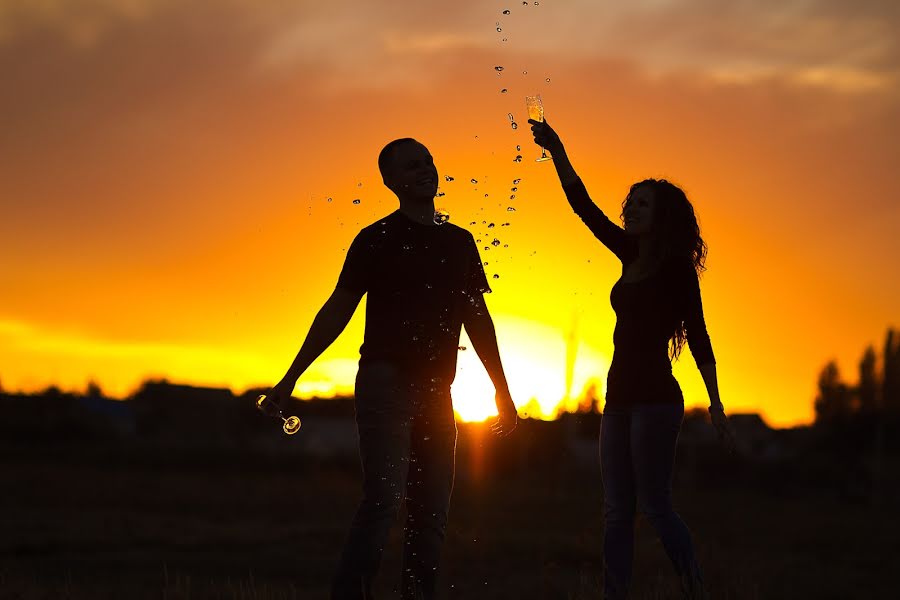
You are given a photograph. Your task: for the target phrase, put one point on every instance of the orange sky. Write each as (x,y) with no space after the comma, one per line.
(165,169)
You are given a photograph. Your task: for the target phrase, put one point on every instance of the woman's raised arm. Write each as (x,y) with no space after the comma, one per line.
(612,236)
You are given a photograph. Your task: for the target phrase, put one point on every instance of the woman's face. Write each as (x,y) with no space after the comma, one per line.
(639,211)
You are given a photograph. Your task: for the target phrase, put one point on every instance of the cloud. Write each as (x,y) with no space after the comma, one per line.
(30,338)
(822,43)
(828,44)
(35,355)
(80,22)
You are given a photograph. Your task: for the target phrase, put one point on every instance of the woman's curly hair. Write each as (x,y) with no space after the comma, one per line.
(677,235)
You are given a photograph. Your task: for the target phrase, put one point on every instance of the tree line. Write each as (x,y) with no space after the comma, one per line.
(876,393)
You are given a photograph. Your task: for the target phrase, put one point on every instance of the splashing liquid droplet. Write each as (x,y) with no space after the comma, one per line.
(357,201)
(505,40)
(512,197)
(441,216)
(496,276)
(506,12)
(514,189)
(547,80)
(524,72)
(510,117)
(329,199)
(510,209)
(499,29)
(496,242)
(448,178)
(498,69)
(490,226)
(514,125)
(503,91)
(474,180)
(359,184)
(516,181)
(518,158)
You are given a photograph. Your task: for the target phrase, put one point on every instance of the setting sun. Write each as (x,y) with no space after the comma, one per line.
(534,359)
(195,213)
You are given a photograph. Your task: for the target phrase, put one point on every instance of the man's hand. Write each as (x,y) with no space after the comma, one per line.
(724,430)
(506,422)
(280,395)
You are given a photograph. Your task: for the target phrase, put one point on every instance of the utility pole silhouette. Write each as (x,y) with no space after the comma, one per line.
(571,354)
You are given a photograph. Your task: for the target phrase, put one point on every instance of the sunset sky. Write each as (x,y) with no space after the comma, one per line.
(177,181)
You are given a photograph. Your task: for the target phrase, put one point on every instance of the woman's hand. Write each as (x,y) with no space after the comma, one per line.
(546,137)
(724,430)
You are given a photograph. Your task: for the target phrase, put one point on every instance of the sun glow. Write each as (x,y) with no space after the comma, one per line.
(534,360)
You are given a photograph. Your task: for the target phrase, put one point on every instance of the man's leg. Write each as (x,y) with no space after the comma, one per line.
(618,501)
(428,490)
(384,447)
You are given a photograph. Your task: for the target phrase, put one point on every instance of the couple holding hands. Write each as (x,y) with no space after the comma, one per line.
(425,281)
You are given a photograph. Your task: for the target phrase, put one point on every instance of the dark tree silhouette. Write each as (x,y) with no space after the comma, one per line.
(868,388)
(876,394)
(891,379)
(93,390)
(833,402)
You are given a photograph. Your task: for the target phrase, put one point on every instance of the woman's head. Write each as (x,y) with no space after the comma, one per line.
(661,210)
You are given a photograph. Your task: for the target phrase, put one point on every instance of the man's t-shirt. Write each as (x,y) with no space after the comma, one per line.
(418,279)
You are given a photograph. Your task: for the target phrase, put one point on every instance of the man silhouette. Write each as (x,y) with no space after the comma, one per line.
(424,281)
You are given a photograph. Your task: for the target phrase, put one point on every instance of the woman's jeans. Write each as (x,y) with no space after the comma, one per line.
(637,456)
(407,444)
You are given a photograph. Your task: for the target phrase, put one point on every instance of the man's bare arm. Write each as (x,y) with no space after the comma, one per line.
(330,321)
(480,328)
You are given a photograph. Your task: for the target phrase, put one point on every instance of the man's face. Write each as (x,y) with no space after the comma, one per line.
(411,172)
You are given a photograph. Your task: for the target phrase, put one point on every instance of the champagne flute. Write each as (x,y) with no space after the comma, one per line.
(265,404)
(536,112)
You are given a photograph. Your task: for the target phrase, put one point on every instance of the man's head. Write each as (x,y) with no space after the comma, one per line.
(408,170)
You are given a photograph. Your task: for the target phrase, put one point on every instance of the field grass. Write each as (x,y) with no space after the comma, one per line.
(107,522)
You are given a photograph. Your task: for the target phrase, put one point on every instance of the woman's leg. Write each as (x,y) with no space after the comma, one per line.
(654,434)
(618,501)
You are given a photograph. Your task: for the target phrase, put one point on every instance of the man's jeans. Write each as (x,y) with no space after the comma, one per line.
(637,457)
(407,445)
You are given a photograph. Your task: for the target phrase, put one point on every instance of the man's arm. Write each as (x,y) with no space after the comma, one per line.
(330,321)
(480,328)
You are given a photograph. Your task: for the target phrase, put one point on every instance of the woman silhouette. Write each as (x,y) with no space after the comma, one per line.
(658,308)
